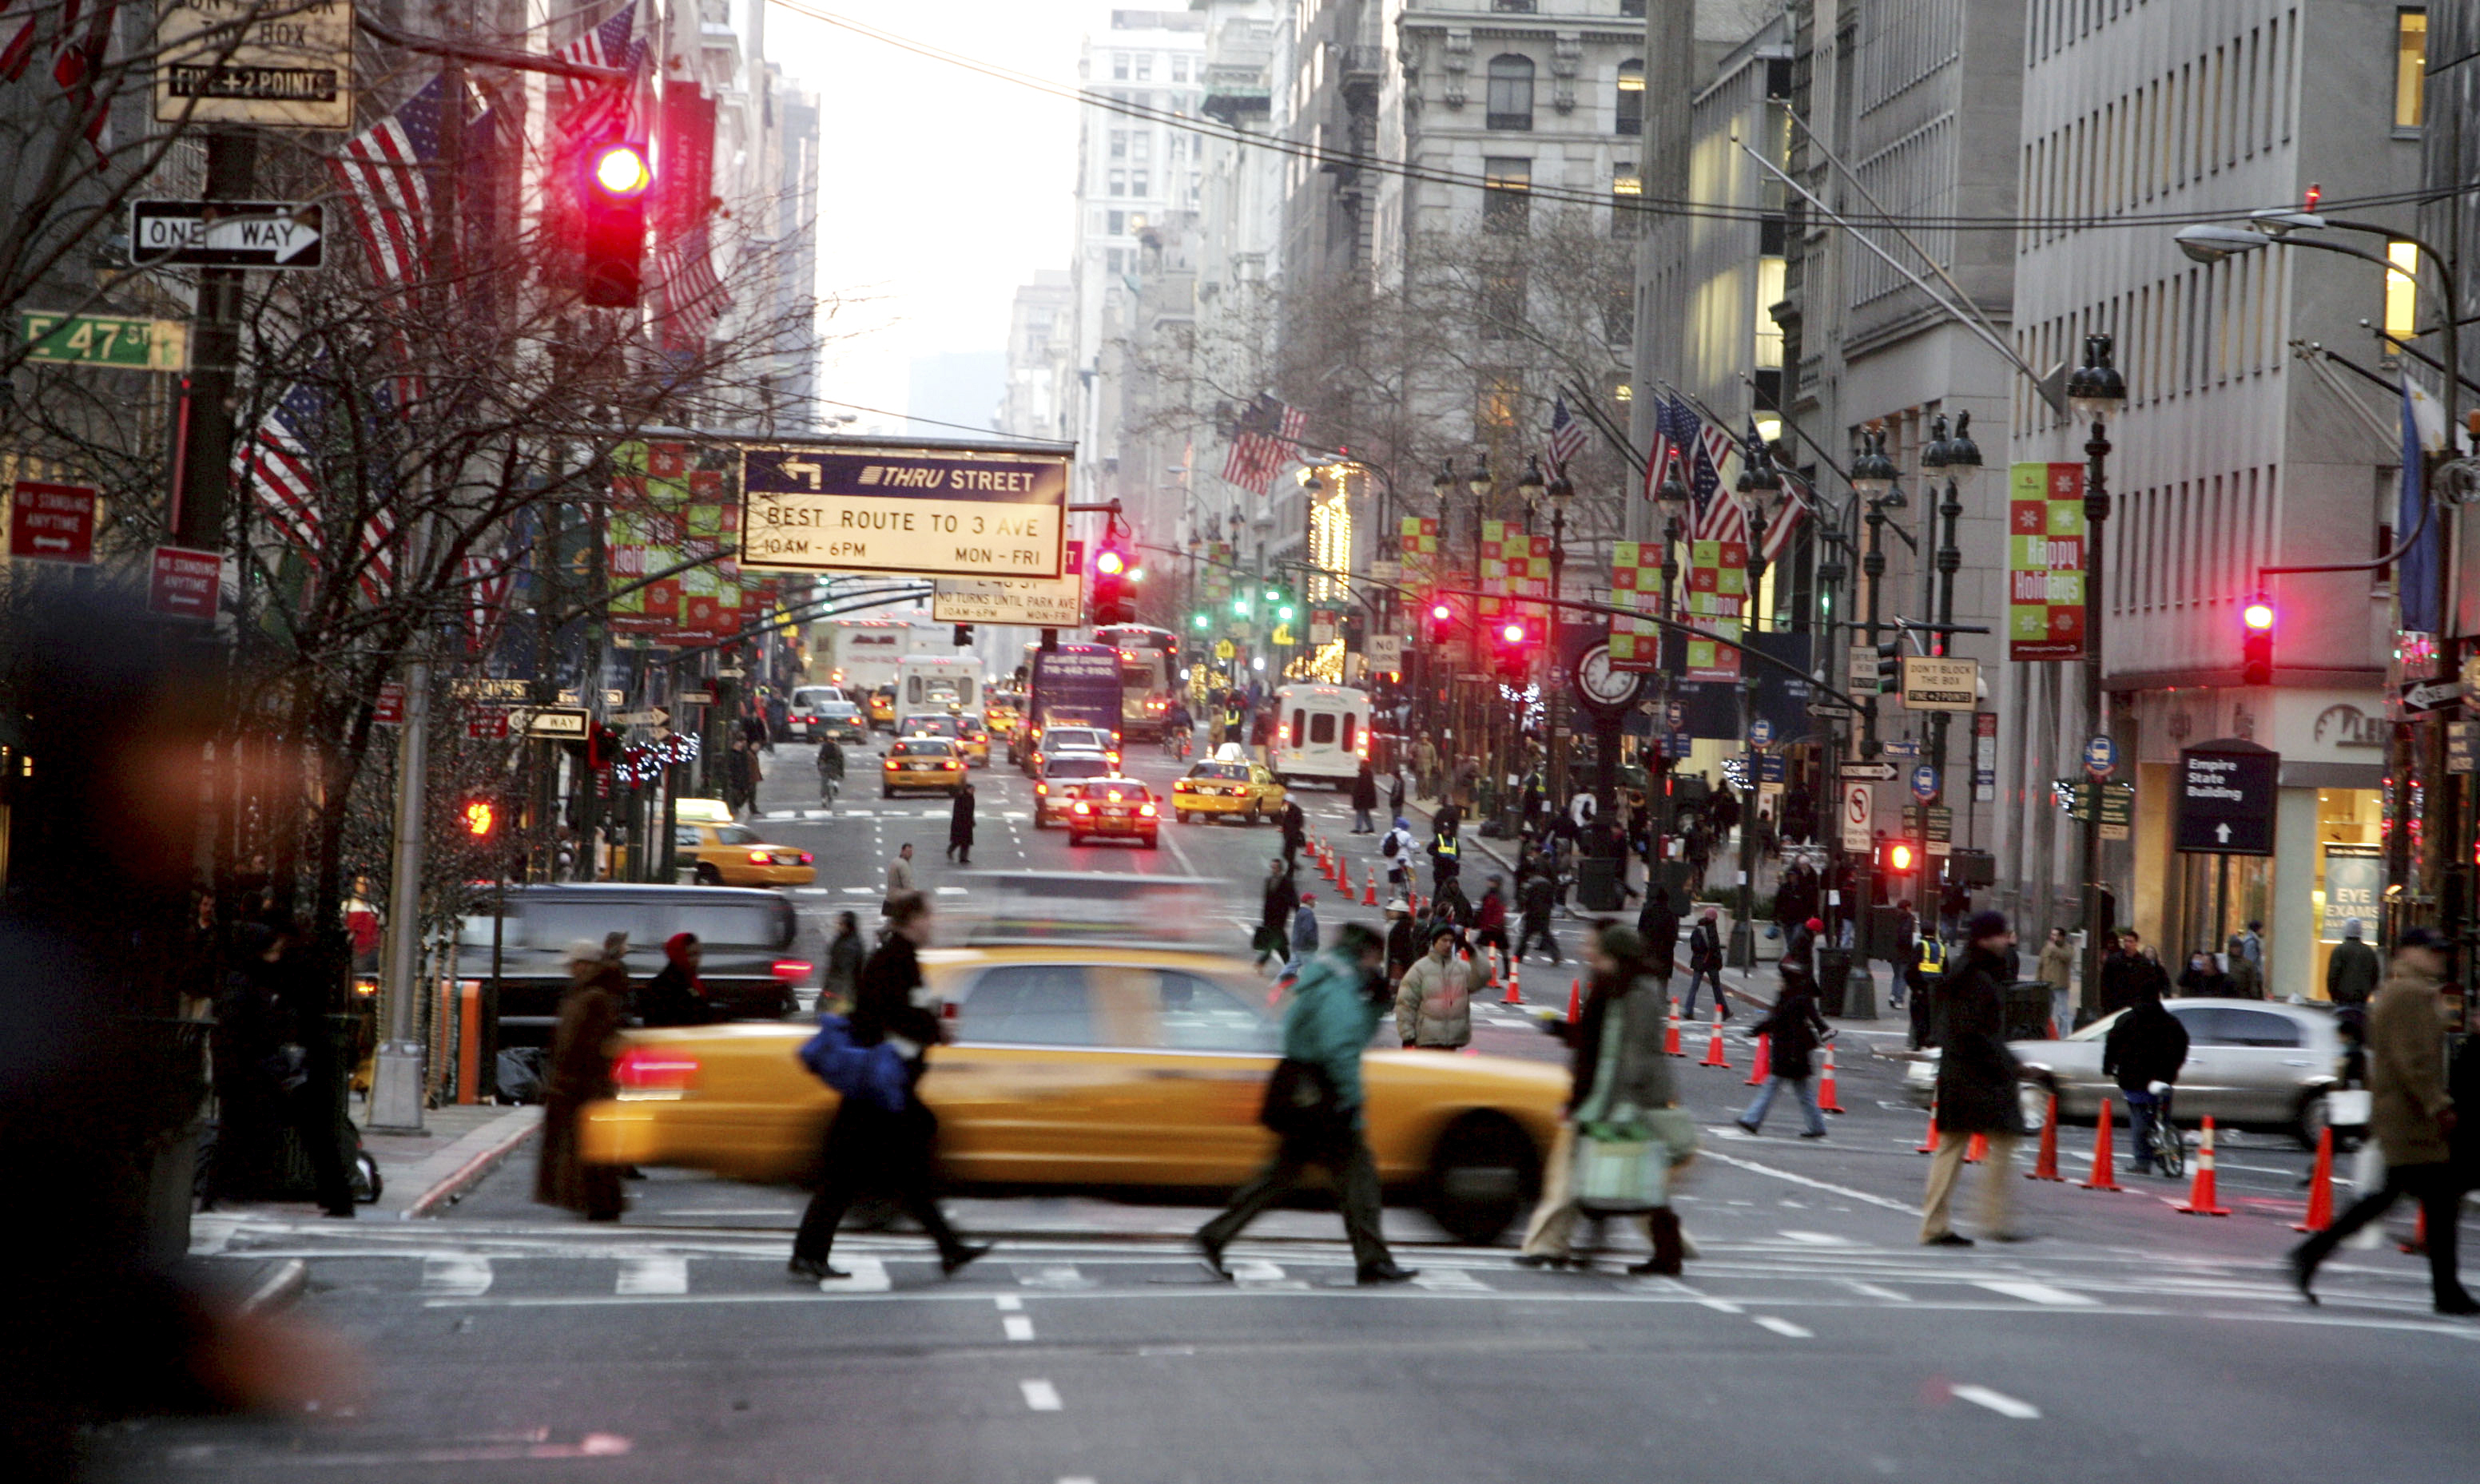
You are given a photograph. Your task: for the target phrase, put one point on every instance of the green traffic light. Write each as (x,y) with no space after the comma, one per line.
(1239,607)
(1284,613)
(1199,620)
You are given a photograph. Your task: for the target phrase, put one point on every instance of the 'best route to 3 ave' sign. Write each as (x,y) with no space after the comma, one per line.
(945,512)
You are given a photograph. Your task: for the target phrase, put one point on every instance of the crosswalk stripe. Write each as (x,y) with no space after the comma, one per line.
(1056,1275)
(455,1275)
(868,1276)
(1998,1402)
(2034,1293)
(1450,1280)
(661,1273)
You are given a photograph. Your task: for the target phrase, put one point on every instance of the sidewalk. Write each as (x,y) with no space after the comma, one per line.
(418,1173)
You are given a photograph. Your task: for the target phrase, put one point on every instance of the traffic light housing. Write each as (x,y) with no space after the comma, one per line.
(1113,570)
(963,635)
(615,176)
(2255,643)
(1440,622)
(1514,640)
(1897,857)
(1888,667)
(482,819)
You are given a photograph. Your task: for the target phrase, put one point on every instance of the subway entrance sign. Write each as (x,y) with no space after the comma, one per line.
(2227,791)
(929,510)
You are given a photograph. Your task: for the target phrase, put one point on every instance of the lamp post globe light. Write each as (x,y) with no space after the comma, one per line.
(2095,392)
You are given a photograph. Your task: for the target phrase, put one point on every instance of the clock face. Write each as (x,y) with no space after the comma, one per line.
(1601,684)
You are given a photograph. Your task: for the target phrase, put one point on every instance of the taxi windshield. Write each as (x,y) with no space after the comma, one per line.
(920,746)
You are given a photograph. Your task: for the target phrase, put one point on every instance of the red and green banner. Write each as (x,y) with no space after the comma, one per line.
(1636,583)
(671,502)
(2045,562)
(1717,596)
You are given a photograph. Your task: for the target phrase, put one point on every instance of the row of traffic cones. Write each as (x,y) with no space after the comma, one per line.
(2203,1196)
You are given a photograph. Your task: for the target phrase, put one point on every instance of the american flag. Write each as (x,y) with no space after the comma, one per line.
(282,470)
(1566,437)
(693,297)
(1671,439)
(18,19)
(606,45)
(384,170)
(1263,443)
(487,581)
(79,42)
(1795,502)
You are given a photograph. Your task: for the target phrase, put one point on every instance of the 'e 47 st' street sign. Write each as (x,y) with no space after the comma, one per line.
(103,340)
(931,511)
(2227,792)
(226,234)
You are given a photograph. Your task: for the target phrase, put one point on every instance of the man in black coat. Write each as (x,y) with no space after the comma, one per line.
(1364,800)
(1282,898)
(867,1147)
(1296,829)
(1975,1085)
(2145,1046)
(2352,973)
(1658,926)
(2129,974)
(960,828)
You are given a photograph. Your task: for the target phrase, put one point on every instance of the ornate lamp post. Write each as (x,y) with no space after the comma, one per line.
(2095,391)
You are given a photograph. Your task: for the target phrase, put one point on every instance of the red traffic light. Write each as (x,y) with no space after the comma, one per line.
(1513,633)
(480,818)
(1898,858)
(2258,616)
(1110,563)
(621,170)
(1440,612)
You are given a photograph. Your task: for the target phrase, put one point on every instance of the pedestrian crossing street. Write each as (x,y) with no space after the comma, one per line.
(1808,1273)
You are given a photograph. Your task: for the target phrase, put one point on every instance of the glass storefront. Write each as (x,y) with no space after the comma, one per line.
(2350,869)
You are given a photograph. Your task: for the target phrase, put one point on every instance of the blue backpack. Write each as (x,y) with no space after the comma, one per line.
(875,1073)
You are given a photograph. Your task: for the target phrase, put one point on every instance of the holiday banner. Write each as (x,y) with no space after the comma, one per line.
(1717,596)
(2045,562)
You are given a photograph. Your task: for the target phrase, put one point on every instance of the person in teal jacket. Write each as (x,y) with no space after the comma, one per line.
(1334,1011)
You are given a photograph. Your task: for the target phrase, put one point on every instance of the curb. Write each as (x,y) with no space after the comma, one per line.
(282,1283)
(470,1173)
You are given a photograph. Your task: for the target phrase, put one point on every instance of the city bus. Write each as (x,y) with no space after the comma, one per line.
(1149,675)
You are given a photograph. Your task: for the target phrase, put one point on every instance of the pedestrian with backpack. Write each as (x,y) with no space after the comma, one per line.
(1705,964)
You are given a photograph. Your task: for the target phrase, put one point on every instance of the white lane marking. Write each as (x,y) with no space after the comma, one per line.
(455,1275)
(1818,1239)
(1723,1306)
(2034,1293)
(661,1273)
(1009,1303)
(1254,1270)
(951,891)
(1062,1275)
(1784,1328)
(1818,1184)
(1080,1478)
(859,891)
(1996,1401)
(1043,1396)
(1873,1291)
(1450,1280)
(1016,1328)
(816,814)
(868,1276)
(811,891)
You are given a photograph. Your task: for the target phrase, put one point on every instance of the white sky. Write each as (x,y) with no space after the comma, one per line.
(941,190)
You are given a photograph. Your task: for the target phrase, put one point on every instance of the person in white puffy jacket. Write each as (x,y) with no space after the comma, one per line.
(1433,1000)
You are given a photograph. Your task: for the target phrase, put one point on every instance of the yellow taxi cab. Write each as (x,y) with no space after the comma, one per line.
(976,740)
(703,811)
(1004,710)
(921,763)
(1095,1065)
(972,741)
(730,854)
(1226,785)
(882,706)
(1113,808)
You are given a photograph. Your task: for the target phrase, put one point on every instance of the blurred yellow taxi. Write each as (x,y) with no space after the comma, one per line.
(973,740)
(1004,710)
(730,854)
(882,706)
(1097,1067)
(976,741)
(916,764)
(1227,786)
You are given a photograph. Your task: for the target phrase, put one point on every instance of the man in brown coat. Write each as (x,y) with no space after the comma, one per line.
(579,1072)
(2413,1116)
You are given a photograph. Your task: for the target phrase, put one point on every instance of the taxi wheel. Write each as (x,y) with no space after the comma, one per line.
(1483,1176)
(709,875)
(1153,842)
(1250,818)
(1073,838)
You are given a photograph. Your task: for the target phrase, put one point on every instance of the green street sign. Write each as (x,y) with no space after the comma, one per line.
(101,340)
(2117,803)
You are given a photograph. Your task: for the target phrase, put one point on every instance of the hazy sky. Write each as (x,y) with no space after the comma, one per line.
(942,189)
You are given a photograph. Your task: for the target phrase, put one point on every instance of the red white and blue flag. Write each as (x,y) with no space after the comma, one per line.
(1566,437)
(1268,433)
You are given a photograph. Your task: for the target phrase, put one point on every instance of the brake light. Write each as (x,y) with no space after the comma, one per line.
(1083,808)
(760,857)
(792,970)
(1035,733)
(1283,735)
(806,857)
(1114,758)
(652,1071)
(1042,788)
(950,765)
(1146,809)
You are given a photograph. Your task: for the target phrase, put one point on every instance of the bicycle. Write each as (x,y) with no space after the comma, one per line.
(1176,744)
(2169,1151)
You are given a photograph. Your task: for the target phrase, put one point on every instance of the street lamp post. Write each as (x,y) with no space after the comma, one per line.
(1672,496)
(1873,480)
(1954,459)
(1758,486)
(2095,391)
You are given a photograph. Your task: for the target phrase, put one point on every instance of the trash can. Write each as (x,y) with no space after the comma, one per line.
(1598,884)
(1833,978)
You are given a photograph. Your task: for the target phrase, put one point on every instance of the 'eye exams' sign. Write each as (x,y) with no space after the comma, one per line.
(944,512)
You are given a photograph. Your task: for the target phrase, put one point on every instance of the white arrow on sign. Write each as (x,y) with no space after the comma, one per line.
(2222,833)
(806,468)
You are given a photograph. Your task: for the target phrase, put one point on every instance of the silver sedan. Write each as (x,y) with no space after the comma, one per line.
(2249,1061)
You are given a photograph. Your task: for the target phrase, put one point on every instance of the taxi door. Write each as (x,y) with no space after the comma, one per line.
(1270,794)
(1044,1080)
(1211,1048)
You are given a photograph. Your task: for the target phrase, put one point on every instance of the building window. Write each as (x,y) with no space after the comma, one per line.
(1120,66)
(1118,223)
(1501,391)
(1144,68)
(1627,193)
(2402,294)
(2411,66)
(1119,143)
(1179,67)
(1631,102)
(1115,259)
(1514,7)
(1137,183)
(1635,8)
(1119,183)
(1511,93)
(1502,302)
(1506,196)
(1142,148)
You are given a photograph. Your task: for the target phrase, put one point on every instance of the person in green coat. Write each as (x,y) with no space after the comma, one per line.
(1336,1005)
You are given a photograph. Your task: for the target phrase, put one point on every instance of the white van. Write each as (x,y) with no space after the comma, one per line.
(1320,733)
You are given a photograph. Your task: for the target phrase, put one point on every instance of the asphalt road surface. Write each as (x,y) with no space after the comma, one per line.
(1812,1338)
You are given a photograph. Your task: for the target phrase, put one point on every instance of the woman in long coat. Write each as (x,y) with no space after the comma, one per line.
(578,1073)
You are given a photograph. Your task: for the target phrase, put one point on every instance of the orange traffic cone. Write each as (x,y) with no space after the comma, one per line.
(1714,1055)
(1670,1036)
(1369,890)
(2201,1201)
(2320,1187)
(1514,985)
(2417,1246)
(1763,1066)
(1976,1150)
(2046,1168)
(1575,998)
(1930,1136)
(2102,1178)
(1826,1099)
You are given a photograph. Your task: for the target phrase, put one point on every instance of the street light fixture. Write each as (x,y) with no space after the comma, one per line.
(1872,473)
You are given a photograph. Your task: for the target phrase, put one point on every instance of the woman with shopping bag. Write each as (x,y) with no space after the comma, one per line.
(1622,1140)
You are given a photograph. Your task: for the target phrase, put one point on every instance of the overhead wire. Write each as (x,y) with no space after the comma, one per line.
(1111,102)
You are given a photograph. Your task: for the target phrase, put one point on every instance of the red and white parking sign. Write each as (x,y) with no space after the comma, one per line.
(52,522)
(183,583)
